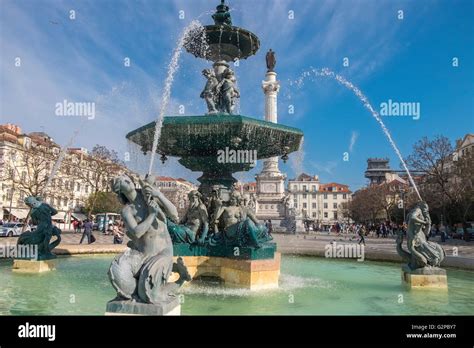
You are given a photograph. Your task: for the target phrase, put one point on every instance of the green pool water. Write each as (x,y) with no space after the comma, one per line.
(308,286)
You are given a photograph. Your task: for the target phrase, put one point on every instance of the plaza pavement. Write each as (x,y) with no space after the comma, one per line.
(311,244)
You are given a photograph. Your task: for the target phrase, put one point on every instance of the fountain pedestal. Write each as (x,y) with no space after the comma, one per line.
(33,266)
(425,278)
(118,307)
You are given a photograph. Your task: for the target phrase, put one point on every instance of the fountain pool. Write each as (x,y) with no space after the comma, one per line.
(308,286)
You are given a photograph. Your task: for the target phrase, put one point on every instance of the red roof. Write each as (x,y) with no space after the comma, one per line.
(339,187)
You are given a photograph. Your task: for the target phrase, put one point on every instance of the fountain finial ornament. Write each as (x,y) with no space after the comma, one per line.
(222,15)
(270,60)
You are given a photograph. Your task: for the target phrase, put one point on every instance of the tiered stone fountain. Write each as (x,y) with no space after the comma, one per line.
(229,243)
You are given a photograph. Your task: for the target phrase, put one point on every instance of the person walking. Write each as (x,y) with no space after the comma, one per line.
(361,233)
(87,232)
(118,233)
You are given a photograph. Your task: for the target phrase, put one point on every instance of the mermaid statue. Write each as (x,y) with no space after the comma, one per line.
(421,253)
(41,215)
(141,273)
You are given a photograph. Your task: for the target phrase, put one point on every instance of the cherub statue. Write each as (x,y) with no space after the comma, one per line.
(227,91)
(209,94)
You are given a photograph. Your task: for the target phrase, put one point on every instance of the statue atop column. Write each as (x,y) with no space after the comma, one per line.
(270,60)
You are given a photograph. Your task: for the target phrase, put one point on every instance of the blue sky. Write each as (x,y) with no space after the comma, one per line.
(408,60)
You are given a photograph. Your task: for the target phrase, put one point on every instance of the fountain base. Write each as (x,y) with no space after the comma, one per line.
(120,307)
(33,266)
(425,278)
(244,274)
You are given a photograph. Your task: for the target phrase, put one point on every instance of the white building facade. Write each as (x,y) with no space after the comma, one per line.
(318,202)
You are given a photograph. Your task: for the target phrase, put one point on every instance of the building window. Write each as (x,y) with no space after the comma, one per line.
(87,188)
(313,205)
(314,214)
(325,196)
(325,205)
(295,197)
(325,214)
(304,195)
(314,195)
(334,196)
(334,205)
(344,196)
(335,215)
(305,205)
(78,188)
(296,205)
(314,188)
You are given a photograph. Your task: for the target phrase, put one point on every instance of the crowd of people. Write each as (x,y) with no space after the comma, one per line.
(384,229)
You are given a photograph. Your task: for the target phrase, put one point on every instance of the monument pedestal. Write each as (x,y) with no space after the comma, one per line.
(33,266)
(123,307)
(425,278)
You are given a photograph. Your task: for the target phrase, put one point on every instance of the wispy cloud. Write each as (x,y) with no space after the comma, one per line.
(326,167)
(353,140)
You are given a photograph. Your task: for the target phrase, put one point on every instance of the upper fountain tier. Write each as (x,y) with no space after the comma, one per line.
(223,41)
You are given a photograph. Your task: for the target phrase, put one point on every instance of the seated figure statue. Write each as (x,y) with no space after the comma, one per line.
(421,252)
(41,214)
(239,226)
(142,271)
(194,225)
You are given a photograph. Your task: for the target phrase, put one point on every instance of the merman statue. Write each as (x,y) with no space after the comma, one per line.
(41,215)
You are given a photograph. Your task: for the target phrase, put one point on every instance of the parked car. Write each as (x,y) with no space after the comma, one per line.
(12,229)
(459,234)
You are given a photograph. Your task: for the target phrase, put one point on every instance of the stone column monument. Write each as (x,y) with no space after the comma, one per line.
(270,182)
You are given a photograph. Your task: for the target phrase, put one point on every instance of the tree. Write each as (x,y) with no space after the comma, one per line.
(103,202)
(367,204)
(462,188)
(29,169)
(433,158)
(97,170)
(447,183)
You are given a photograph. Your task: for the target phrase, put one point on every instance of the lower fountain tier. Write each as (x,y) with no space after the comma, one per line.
(218,145)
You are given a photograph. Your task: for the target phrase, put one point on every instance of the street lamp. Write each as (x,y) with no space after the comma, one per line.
(13,157)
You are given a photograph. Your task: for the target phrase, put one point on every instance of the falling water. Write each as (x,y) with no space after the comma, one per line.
(297,160)
(194,29)
(325,72)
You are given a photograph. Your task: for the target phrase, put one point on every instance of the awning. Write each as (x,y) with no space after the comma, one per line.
(79,216)
(18,213)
